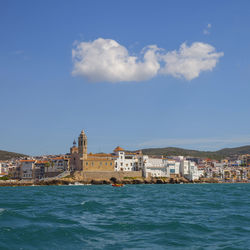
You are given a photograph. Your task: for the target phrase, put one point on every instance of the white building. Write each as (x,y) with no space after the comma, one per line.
(159,167)
(189,170)
(4,168)
(125,161)
(173,167)
(153,167)
(156,167)
(184,167)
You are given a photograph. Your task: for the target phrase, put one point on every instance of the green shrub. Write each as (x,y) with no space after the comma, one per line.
(4,178)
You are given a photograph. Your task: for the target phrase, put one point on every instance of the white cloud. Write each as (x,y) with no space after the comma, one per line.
(189,62)
(105,60)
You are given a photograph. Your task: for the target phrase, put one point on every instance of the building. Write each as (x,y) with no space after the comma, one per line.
(78,154)
(99,162)
(160,167)
(39,169)
(15,172)
(74,162)
(125,161)
(26,168)
(80,160)
(173,167)
(4,168)
(189,170)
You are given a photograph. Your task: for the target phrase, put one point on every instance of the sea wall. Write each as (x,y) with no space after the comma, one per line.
(107,175)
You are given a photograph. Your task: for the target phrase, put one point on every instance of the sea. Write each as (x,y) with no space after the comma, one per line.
(188,216)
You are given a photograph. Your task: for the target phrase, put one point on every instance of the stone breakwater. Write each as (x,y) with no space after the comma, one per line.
(103,178)
(73,181)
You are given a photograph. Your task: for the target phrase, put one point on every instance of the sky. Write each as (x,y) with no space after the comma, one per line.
(137,74)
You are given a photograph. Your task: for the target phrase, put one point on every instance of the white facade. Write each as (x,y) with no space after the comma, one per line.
(189,170)
(184,167)
(158,167)
(126,162)
(4,168)
(173,167)
(155,171)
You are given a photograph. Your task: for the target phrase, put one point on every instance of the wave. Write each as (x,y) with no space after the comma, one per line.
(1,210)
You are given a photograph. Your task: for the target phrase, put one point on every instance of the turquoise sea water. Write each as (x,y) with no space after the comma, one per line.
(192,216)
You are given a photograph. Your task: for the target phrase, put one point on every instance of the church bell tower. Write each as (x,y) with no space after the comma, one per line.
(82,146)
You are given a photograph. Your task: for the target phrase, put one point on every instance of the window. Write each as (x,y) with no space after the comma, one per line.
(86,163)
(121,163)
(106,163)
(110,163)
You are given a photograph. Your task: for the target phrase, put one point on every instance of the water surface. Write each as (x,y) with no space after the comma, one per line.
(188,216)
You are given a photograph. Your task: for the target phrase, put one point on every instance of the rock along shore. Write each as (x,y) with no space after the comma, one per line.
(76,181)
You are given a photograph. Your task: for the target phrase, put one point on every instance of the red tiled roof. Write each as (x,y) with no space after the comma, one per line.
(117,149)
(27,160)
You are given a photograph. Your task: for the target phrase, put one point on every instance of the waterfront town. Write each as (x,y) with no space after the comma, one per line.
(124,164)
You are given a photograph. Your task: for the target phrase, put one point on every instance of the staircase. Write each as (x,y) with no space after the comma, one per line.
(62,175)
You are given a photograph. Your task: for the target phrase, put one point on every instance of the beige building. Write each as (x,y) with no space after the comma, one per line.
(99,162)
(80,160)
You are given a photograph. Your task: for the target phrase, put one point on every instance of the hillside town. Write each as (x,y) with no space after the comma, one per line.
(132,164)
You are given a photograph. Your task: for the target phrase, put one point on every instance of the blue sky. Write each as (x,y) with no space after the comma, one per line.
(47,98)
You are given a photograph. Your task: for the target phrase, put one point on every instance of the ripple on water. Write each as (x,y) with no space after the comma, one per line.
(138,216)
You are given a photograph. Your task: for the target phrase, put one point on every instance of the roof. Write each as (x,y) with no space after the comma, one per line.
(118,148)
(98,159)
(57,158)
(131,153)
(100,155)
(41,162)
(27,160)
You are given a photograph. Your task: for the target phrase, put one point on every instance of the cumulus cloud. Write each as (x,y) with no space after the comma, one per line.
(189,62)
(105,60)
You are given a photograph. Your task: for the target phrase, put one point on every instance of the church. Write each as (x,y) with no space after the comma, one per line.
(80,160)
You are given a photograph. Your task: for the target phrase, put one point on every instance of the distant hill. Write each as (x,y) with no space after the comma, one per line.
(219,154)
(5,155)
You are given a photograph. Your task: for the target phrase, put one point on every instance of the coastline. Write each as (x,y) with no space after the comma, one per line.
(71,181)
